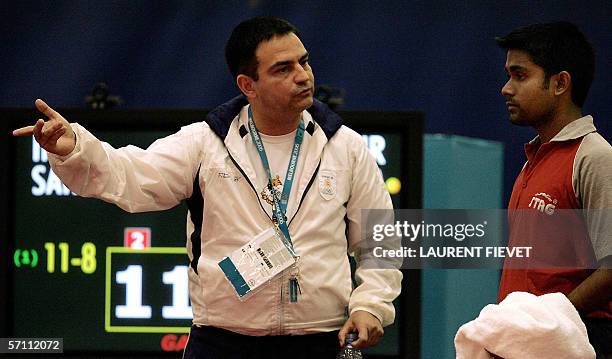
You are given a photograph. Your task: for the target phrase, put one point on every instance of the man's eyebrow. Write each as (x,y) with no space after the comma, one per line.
(288,62)
(515,68)
(279,64)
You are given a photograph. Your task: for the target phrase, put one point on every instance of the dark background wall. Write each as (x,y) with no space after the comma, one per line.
(438,57)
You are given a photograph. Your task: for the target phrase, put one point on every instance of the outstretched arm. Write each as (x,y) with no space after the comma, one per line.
(133,178)
(54,135)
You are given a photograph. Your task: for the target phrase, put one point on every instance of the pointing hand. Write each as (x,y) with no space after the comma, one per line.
(54,135)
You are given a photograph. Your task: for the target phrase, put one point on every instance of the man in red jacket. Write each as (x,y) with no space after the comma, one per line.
(550,68)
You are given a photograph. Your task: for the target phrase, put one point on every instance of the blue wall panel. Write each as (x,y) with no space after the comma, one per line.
(458,173)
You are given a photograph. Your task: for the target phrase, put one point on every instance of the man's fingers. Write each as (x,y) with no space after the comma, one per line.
(361,343)
(56,134)
(37,130)
(364,336)
(375,336)
(48,132)
(45,109)
(24,131)
(347,328)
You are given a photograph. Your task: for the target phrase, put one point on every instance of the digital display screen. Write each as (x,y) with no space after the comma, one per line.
(114,276)
(109,281)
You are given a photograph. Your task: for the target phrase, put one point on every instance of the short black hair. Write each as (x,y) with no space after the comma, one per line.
(241,46)
(556,46)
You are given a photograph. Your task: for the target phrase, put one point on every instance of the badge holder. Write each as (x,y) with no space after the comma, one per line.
(252,266)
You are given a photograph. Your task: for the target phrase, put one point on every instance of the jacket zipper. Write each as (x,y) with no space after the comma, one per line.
(281,310)
(281,313)
(250,184)
(305,192)
(282,285)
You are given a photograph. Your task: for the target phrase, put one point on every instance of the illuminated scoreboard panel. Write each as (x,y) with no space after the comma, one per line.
(74,276)
(146,290)
(61,261)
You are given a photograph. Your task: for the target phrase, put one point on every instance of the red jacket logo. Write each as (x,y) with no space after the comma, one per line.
(543,202)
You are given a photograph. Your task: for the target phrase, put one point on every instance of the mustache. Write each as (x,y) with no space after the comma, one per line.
(303,88)
(511,101)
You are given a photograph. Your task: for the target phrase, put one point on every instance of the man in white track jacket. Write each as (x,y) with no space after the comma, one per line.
(217,168)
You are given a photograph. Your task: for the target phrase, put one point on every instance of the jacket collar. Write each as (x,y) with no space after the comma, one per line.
(573,130)
(220,118)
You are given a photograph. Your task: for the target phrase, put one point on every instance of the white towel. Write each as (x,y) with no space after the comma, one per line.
(525,326)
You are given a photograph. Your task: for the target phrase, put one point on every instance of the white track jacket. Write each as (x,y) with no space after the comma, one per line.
(214,166)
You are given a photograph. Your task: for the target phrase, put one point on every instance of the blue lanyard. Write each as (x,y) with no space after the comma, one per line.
(280,205)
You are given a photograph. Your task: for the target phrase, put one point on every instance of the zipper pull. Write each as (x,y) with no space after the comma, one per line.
(294,284)
(294,289)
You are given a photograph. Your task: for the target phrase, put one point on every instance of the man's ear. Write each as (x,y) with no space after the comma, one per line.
(563,83)
(246,85)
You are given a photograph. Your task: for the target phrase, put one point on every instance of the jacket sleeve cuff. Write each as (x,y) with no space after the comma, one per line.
(369,310)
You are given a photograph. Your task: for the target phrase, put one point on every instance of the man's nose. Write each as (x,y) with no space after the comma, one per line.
(301,74)
(507,90)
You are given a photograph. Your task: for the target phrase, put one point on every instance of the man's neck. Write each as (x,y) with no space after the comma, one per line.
(276,124)
(548,130)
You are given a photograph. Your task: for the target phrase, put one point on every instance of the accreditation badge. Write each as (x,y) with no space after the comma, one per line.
(258,262)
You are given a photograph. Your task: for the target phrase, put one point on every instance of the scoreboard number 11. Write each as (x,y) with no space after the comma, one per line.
(133,308)
(147,290)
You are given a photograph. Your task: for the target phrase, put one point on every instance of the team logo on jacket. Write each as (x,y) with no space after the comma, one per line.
(275,189)
(228,176)
(327,184)
(543,202)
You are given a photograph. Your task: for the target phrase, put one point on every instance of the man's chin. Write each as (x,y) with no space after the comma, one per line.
(305,103)
(519,121)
